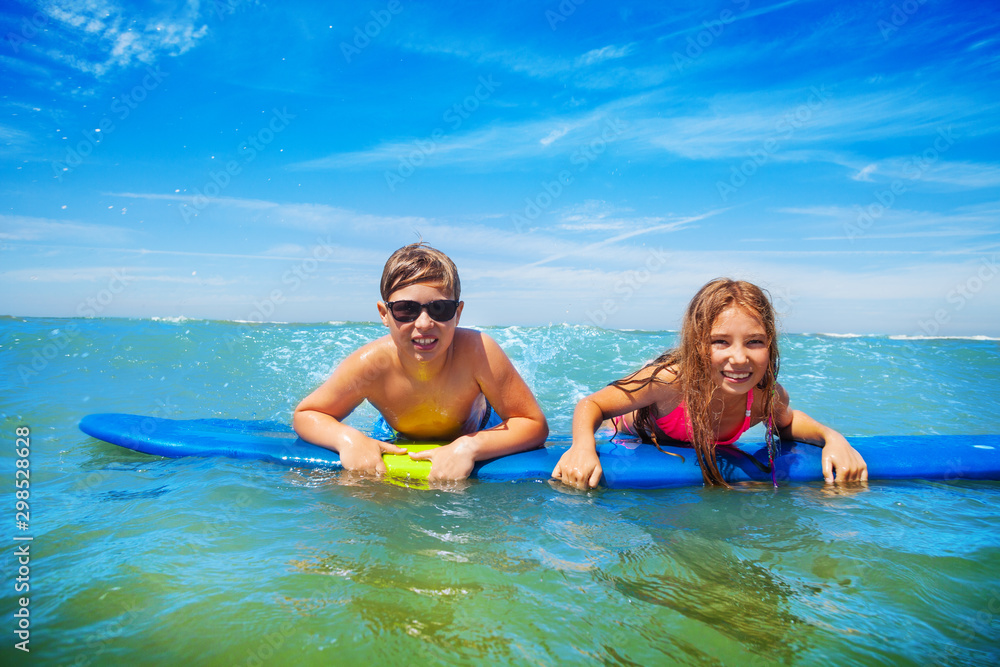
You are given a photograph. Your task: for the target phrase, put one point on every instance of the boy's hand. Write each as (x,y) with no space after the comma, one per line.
(449,462)
(579,467)
(366,455)
(840,457)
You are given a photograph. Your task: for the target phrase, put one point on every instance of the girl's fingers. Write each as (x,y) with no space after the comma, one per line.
(595,477)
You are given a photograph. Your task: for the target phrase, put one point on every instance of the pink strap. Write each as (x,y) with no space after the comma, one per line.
(677,424)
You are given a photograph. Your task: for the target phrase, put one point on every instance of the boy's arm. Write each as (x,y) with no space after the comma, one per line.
(318,418)
(838,455)
(524,426)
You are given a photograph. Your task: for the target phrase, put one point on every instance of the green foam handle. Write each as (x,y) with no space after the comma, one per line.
(401,465)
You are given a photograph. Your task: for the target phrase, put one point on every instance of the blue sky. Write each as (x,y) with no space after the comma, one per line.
(589,163)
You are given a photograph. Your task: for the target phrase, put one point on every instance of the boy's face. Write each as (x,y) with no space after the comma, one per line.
(423,339)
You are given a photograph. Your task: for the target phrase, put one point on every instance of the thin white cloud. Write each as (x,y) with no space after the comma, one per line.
(802,125)
(739,11)
(671,226)
(865,173)
(604,54)
(596,69)
(30,229)
(98,36)
(299,215)
(488,146)
(555,134)
(102,274)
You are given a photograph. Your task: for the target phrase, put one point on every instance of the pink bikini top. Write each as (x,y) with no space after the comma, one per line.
(677,424)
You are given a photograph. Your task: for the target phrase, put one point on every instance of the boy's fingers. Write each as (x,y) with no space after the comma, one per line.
(420,456)
(828,469)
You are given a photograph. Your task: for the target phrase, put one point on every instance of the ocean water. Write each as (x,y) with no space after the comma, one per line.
(136,559)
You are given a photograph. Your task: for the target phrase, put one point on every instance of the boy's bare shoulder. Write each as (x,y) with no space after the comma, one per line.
(473,345)
(374,353)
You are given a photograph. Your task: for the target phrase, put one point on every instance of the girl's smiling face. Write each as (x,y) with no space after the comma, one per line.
(739,351)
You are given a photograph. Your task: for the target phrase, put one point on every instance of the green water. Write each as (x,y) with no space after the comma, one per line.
(142,560)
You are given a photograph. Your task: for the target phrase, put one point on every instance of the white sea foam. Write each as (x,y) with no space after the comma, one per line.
(918,337)
(842,335)
(179,319)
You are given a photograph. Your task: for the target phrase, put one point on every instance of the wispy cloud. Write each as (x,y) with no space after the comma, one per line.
(300,215)
(98,36)
(31,229)
(486,147)
(101,274)
(597,69)
(577,249)
(604,54)
(810,124)
(865,173)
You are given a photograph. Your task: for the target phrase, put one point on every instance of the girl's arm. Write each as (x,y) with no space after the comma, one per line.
(838,455)
(580,465)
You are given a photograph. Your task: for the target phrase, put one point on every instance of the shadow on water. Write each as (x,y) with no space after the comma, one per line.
(709,584)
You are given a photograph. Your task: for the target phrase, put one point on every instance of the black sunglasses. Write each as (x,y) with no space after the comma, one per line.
(408,311)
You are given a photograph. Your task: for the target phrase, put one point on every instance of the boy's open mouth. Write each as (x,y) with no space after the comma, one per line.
(424,343)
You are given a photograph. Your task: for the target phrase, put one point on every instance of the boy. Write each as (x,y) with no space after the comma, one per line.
(429,379)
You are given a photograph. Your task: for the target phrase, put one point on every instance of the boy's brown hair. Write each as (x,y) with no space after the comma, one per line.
(419,263)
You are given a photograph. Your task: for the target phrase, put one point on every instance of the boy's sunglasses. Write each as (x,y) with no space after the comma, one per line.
(409,311)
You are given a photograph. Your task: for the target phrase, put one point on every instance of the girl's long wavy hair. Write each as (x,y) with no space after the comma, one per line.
(691,362)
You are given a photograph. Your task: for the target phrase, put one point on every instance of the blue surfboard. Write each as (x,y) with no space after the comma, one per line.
(626,465)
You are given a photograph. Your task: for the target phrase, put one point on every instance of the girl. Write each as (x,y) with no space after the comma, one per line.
(718,382)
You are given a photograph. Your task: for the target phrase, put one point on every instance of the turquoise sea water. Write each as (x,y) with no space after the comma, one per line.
(141,560)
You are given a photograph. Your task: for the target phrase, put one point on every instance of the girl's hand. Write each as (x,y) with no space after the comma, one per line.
(579,467)
(366,455)
(450,462)
(840,457)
